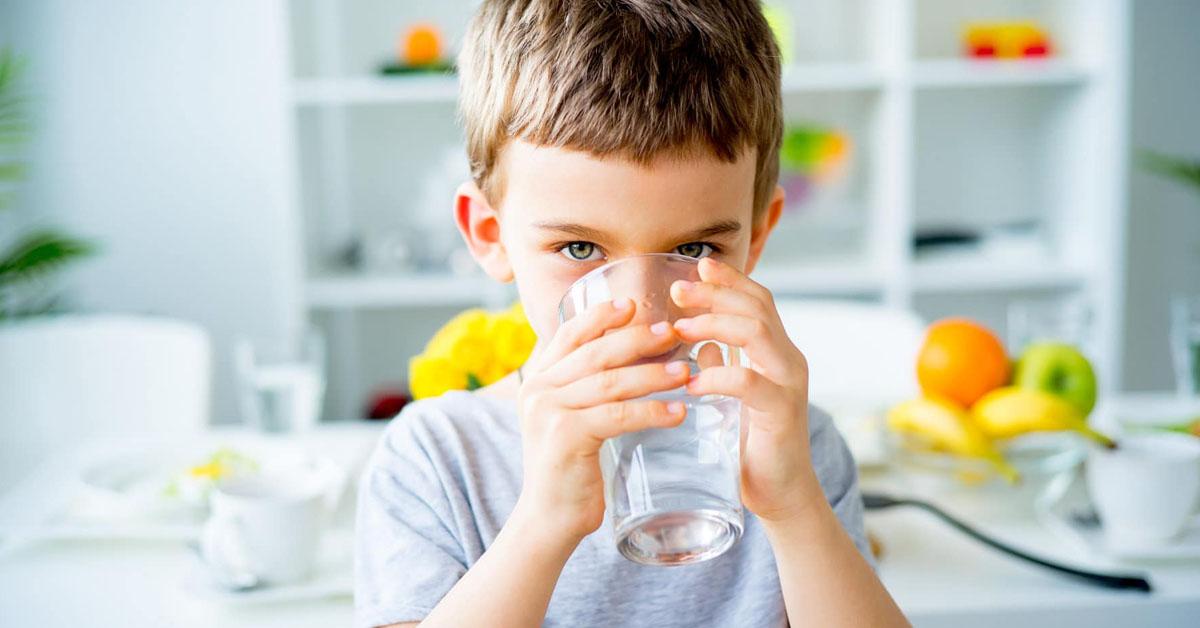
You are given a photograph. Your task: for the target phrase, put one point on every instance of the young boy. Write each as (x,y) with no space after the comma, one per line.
(599,129)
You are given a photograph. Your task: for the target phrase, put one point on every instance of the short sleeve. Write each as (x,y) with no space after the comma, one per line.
(838,475)
(407,556)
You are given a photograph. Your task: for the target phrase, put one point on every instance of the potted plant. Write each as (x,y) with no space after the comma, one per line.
(29,261)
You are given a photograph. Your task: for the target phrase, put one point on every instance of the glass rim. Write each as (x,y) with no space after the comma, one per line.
(595,272)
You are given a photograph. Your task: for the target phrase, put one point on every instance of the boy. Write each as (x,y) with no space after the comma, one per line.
(599,129)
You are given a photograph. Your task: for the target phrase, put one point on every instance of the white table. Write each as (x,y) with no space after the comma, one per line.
(939,577)
(942,578)
(140,583)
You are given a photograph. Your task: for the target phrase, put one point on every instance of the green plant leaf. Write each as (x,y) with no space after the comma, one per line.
(14,123)
(1178,168)
(11,171)
(39,253)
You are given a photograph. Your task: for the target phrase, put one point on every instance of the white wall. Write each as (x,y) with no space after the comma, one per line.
(1163,238)
(164,135)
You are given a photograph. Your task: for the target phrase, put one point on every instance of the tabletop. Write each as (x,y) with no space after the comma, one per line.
(938,576)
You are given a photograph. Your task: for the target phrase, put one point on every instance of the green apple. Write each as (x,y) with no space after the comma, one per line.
(1060,369)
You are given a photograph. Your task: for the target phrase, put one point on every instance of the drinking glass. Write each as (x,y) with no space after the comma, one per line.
(673,494)
(1059,319)
(1185,343)
(281,383)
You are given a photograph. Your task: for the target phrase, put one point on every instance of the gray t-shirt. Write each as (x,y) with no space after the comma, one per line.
(445,477)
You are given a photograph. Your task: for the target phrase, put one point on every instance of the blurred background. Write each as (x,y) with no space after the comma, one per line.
(251,167)
(276,177)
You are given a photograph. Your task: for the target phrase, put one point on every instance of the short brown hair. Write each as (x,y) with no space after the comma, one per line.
(629,78)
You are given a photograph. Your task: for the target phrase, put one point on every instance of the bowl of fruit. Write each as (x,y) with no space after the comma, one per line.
(984,421)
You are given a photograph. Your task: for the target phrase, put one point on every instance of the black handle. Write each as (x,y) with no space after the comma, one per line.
(877,501)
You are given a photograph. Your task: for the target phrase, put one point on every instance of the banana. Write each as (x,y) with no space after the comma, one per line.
(1010,411)
(947,427)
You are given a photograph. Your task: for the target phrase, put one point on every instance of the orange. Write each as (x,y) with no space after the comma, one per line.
(422,46)
(962,360)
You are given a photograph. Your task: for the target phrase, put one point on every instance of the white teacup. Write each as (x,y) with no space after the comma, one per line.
(267,526)
(1146,489)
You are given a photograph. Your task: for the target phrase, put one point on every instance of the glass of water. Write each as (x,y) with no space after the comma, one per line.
(673,494)
(282,382)
(1066,319)
(1185,343)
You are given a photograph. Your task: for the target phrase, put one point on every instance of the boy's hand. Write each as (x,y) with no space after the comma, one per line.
(778,481)
(577,393)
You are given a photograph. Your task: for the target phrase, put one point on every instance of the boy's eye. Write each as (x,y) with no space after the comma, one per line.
(695,249)
(580,251)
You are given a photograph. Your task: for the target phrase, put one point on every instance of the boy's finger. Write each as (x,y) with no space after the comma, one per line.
(710,355)
(752,387)
(717,298)
(587,326)
(621,417)
(735,330)
(620,384)
(722,274)
(619,348)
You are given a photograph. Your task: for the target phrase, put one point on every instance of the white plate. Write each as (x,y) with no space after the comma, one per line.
(1058,504)
(333,577)
(119,493)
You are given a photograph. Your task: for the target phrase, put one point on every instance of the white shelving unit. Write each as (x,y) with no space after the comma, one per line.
(940,141)
(966,73)
(372,90)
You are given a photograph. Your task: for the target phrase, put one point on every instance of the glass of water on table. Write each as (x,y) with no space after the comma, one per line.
(281,381)
(673,495)
(1185,343)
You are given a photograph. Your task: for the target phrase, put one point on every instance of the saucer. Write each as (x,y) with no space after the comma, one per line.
(1065,509)
(333,576)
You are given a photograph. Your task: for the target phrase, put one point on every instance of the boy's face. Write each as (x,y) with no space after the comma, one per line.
(565,213)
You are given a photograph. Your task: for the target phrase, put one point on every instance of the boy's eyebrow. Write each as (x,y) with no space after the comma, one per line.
(717,228)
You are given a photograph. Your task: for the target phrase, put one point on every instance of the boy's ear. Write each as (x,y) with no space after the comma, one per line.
(479,224)
(763,226)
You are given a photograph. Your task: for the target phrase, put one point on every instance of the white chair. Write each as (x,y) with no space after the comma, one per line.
(70,377)
(861,358)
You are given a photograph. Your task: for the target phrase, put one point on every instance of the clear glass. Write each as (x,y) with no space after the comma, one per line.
(1185,343)
(673,495)
(1066,319)
(281,384)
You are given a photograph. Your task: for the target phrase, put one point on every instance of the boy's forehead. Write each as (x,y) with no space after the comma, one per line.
(672,195)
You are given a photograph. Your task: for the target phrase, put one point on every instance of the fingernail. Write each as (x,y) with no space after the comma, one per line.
(676,367)
(675,407)
(686,285)
(683,323)
(660,327)
(622,303)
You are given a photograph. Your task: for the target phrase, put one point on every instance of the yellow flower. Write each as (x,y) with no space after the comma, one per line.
(514,339)
(471,352)
(475,348)
(432,376)
(467,322)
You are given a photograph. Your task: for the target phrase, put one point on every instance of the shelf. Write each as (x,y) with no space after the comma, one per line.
(391,291)
(432,88)
(830,77)
(965,73)
(443,88)
(955,274)
(845,280)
